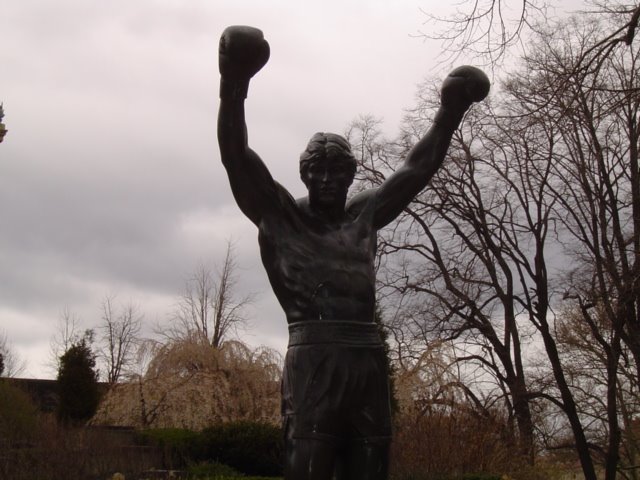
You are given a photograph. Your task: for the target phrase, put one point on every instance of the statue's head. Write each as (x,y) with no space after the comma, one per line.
(327,168)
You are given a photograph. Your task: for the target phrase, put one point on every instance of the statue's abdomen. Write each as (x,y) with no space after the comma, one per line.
(317,275)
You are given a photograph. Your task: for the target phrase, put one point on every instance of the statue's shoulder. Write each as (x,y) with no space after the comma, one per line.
(285,199)
(302,203)
(303,210)
(361,202)
(285,208)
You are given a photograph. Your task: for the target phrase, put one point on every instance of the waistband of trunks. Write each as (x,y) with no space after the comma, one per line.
(314,332)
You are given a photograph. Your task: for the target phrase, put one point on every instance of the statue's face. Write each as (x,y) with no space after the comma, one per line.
(328,181)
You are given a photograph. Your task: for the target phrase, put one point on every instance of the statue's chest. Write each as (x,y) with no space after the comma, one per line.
(294,249)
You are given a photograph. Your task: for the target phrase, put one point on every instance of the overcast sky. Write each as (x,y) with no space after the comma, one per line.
(110,175)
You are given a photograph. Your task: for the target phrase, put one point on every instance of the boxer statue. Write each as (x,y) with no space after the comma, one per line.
(319,253)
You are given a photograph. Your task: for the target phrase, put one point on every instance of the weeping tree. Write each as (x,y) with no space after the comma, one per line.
(189,384)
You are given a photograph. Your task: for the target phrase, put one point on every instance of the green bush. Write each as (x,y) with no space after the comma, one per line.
(249,447)
(212,470)
(179,438)
(480,476)
(18,415)
(181,446)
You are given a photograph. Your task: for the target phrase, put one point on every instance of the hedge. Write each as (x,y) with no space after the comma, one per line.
(251,448)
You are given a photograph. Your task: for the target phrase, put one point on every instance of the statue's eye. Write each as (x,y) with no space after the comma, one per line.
(333,169)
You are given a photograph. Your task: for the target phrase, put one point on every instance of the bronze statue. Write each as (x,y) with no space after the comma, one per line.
(318,252)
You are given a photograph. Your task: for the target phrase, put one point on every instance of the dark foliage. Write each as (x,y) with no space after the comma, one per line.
(212,470)
(77,384)
(249,447)
(18,416)
(181,446)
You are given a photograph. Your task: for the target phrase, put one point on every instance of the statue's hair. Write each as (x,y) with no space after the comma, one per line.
(326,146)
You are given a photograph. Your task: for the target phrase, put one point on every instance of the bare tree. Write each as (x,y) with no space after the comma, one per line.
(589,349)
(596,165)
(210,305)
(119,331)
(593,113)
(537,209)
(488,29)
(439,415)
(10,363)
(469,284)
(67,333)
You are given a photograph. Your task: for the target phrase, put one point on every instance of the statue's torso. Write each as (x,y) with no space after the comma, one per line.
(319,271)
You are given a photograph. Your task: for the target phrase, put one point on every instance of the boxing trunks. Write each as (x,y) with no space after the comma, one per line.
(335,383)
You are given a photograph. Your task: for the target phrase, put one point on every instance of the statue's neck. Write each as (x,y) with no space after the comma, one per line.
(327,214)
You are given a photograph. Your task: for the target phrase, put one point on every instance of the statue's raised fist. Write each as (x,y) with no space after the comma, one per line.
(463,86)
(243,51)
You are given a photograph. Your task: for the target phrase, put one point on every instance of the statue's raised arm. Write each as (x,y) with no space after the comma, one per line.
(462,87)
(243,52)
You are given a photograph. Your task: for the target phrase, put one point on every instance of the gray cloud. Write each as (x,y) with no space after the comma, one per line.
(110,179)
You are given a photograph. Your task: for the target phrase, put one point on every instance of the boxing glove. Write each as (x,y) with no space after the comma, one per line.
(463,86)
(242,53)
